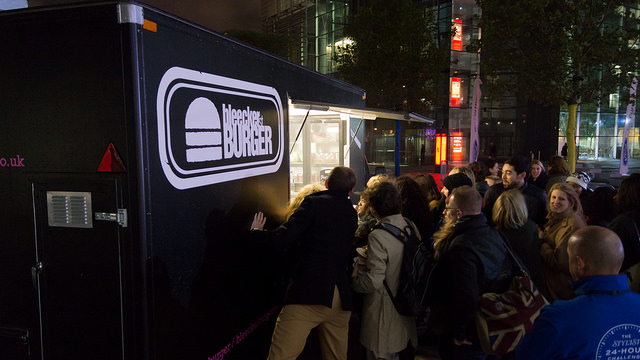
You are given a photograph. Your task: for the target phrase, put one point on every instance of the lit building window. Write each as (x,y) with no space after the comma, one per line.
(613,100)
(456,91)
(456,42)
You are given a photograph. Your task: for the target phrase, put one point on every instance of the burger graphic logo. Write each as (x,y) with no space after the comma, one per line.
(214,129)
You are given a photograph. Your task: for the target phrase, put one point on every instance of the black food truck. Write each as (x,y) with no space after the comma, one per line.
(134,149)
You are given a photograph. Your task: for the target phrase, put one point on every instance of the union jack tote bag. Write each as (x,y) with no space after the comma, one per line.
(502,319)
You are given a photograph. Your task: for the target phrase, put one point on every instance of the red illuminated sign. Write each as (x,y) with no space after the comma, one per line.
(456,41)
(456,91)
(456,146)
(441,148)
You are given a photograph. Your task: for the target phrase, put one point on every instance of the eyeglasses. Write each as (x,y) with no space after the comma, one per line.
(450,208)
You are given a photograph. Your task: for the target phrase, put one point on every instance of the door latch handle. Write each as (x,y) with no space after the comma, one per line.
(120,217)
(35,271)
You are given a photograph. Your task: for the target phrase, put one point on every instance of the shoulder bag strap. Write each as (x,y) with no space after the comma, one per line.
(513,256)
(394,230)
(398,234)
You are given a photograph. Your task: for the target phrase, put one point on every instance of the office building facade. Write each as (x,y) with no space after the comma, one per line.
(508,124)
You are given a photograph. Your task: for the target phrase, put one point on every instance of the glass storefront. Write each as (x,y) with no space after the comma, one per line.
(318,140)
(600,133)
(416,147)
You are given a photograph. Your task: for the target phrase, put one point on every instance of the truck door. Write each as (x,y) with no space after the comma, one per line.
(77,269)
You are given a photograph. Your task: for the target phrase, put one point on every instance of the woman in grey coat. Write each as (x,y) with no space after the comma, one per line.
(385,332)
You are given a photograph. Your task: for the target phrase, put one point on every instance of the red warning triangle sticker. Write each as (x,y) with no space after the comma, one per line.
(111,161)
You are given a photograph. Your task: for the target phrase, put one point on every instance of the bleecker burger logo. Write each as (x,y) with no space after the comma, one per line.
(213,129)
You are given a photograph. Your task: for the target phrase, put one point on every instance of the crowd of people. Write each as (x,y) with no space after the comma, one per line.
(580,246)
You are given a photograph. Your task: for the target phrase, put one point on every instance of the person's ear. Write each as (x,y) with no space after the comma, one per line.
(374,214)
(580,265)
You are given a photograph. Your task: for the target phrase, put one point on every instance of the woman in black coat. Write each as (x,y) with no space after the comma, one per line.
(538,175)
(510,216)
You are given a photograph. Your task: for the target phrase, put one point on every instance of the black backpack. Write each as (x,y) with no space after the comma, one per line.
(417,262)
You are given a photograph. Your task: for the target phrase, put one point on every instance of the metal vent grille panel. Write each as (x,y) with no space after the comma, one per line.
(69,209)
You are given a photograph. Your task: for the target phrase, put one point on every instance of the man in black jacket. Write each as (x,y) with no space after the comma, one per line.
(318,294)
(514,173)
(471,260)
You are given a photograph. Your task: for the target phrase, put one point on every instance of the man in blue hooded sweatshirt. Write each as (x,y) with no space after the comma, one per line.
(603,321)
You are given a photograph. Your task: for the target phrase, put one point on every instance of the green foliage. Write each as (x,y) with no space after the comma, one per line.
(560,51)
(394,55)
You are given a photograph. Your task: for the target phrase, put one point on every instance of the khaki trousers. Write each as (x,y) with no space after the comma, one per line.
(296,321)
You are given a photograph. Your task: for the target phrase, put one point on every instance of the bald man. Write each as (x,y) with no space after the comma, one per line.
(603,321)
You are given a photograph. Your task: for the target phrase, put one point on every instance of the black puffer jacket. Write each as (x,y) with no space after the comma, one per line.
(473,260)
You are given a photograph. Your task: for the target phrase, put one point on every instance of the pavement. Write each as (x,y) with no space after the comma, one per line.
(605,171)
(427,353)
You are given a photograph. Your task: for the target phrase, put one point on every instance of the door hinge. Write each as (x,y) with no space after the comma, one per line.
(130,13)
(120,217)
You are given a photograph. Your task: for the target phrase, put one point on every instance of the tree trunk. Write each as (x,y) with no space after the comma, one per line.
(571,124)
(571,137)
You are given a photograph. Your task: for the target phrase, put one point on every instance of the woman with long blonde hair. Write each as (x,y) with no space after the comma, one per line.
(565,217)
(295,203)
(449,219)
(511,217)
